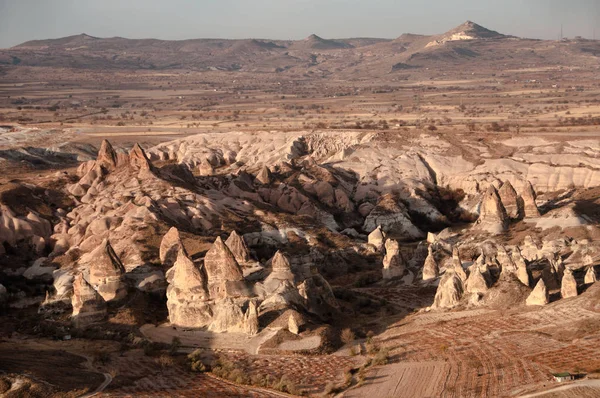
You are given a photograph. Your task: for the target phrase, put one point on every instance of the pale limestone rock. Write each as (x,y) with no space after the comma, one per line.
(492,216)
(63,286)
(106,272)
(419,255)
(251,319)
(539,295)
(510,201)
(138,159)
(392,215)
(88,306)
(519,261)
(187,297)
(220,264)
(318,296)
(506,262)
(393,262)
(557,265)
(264,176)
(590,276)
(238,248)
(107,157)
(293,325)
(431,269)
(431,238)
(449,291)
(170,246)
(568,286)
(476,282)
(376,238)
(228,317)
(457,265)
(529,206)
(281,273)
(530,250)
(285,296)
(40,269)
(205,169)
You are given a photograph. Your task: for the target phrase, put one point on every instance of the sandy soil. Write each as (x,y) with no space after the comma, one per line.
(410,380)
(202,339)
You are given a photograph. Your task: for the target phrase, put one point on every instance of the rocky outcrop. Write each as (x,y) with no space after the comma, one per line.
(107,157)
(391,215)
(492,216)
(264,176)
(539,295)
(41,270)
(530,209)
(505,261)
(285,296)
(522,272)
(88,305)
(293,325)
(393,262)
(228,317)
(205,169)
(238,248)
(476,283)
(138,159)
(187,296)
(281,273)
(377,238)
(251,319)
(431,269)
(449,291)
(510,200)
(590,276)
(170,246)
(225,278)
(319,296)
(106,272)
(568,287)
(457,265)
(530,249)
(31,229)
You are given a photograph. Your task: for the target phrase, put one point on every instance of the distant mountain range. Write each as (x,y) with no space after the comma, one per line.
(469,44)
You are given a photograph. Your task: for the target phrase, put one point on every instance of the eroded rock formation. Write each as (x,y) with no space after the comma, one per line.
(430,268)
(530,209)
(492,216)
(510,200)
(170,246)
(187,295)
(106,272)
(449,291)
(88,305)
(539,295)
(393,262)
(568,287)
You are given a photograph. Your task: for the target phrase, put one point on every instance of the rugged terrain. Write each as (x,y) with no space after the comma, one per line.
(261,218)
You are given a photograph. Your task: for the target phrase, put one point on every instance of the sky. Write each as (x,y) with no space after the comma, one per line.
(22,20)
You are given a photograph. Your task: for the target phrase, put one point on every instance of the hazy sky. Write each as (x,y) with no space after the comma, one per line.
(22,20)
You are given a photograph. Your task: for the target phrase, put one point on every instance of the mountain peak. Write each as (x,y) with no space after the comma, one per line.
(467,31)
(314,37)
(471,31)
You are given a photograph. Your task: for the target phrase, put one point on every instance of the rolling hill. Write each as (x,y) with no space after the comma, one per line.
(468,45)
